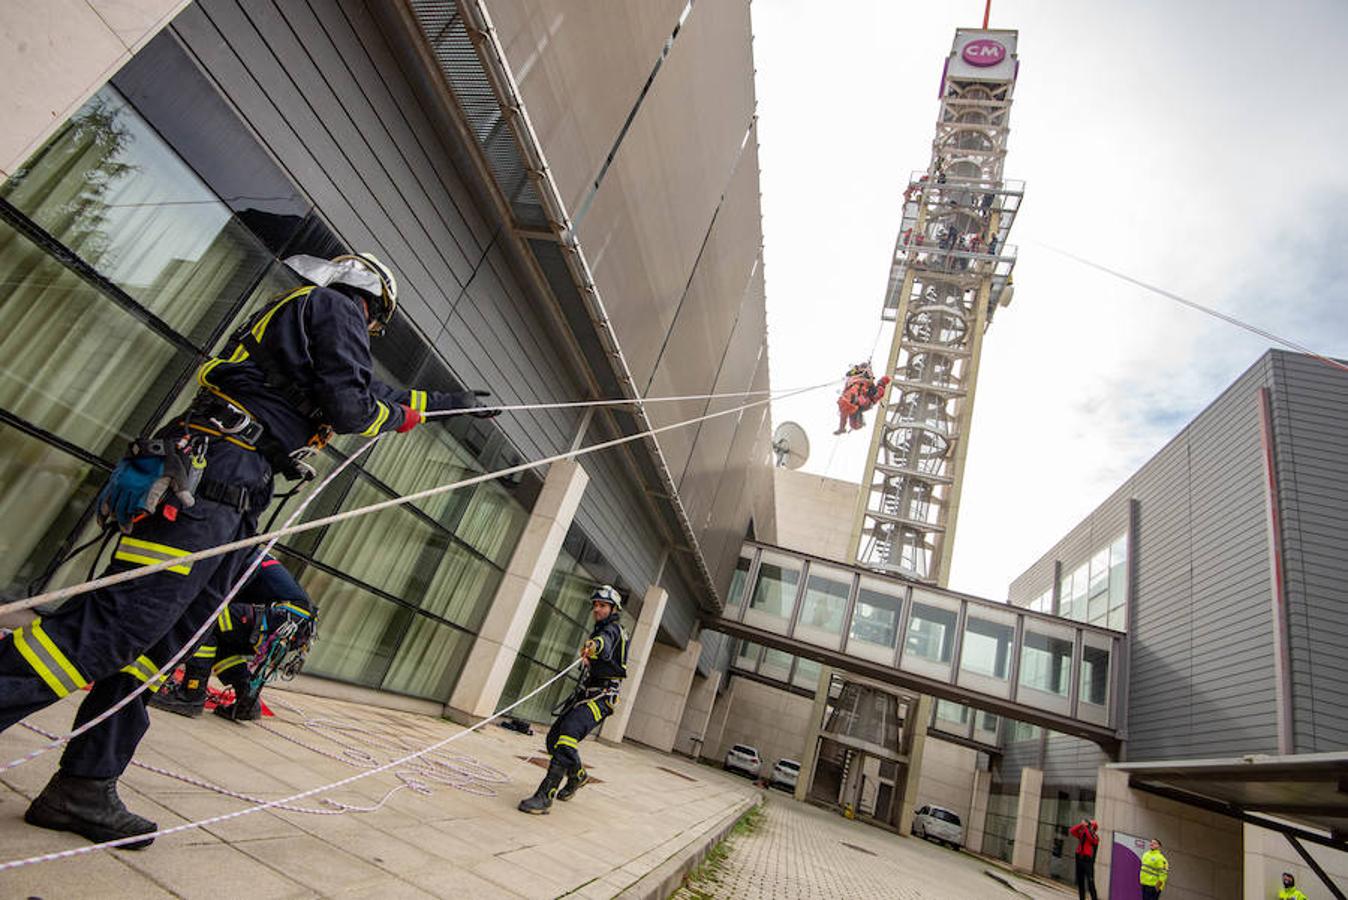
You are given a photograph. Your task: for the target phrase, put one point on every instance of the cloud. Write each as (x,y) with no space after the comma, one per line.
(1204,159)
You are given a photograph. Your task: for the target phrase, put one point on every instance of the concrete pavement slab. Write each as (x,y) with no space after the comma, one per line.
(449,843)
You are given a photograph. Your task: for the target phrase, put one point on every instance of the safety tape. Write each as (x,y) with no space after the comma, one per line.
(288,528)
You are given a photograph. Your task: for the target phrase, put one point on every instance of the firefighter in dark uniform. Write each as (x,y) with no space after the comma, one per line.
(294,374)
(605,655)
(271,620)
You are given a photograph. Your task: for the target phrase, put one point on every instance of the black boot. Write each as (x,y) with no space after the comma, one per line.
(187,698)
(247,704)
(243,709)
(89,807)
(541,801)
(574,782)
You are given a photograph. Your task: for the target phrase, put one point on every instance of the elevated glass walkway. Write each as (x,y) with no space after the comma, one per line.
(1027,666)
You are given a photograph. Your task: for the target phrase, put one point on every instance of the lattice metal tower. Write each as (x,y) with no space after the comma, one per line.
(950,272)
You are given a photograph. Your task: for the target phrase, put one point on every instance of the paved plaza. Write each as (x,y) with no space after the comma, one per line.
(463,842)
(799,852)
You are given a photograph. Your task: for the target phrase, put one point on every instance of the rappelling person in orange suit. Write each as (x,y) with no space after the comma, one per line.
(860,392)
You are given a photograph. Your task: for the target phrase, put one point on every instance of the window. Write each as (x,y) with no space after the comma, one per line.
(774,596)
(824,606)
(561,623)
(985,655)
(806,674)
(776,665)
(124,269)
(874,630)
(735,598)
(930,643)
(1046,666)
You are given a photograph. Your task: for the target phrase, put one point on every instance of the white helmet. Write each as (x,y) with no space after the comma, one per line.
(362,271)
(607,593)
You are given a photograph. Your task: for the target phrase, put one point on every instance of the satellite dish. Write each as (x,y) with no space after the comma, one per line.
(790,445)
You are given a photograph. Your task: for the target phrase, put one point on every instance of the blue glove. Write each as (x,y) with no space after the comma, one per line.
(126,496)
(142,481)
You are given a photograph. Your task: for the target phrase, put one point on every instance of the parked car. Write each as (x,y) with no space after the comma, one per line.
(784,774)
(743,758)
(939,824)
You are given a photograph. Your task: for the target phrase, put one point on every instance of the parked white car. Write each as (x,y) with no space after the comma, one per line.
(743,758)
(936,823)
(784,774)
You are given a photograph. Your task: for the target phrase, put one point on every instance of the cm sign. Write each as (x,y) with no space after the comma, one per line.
(984,53)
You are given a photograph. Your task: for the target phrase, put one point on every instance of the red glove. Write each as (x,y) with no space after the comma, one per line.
(411,419)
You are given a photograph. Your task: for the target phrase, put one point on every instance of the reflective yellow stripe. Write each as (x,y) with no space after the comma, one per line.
(380,418)
(41,661)
(144,669)
(149,553)
(61,659)
(261,327)
(204,653)
(417,400)
(594,710)
(228,663)
(224,620)
(239,353)
(566,741)
(152,546)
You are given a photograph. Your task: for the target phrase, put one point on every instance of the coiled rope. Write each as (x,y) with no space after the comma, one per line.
(283,802)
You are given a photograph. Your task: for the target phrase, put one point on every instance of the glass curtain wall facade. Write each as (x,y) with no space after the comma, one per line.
(1096,591)
(560,625)
(126,266)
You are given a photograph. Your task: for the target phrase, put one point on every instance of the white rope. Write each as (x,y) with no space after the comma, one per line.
(1207,310)
(271,538)
(274,804)
(286,531)
(206,626)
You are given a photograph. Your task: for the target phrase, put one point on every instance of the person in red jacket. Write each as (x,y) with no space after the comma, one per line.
(1087,833)
(860,392)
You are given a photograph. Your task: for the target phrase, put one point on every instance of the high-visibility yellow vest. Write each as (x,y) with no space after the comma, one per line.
(1291,893)
(1154,869)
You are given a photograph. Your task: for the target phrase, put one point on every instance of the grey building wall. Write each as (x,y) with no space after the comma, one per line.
(1200,619)
(322,86)
(1310,425)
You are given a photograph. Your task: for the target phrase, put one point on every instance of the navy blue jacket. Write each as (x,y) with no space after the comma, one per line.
(610,659)
(273,583)
(317,342)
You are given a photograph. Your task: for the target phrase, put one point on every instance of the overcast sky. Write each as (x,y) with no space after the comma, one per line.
(1199,146)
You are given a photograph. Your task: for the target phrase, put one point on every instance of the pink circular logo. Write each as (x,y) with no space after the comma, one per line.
(983,53)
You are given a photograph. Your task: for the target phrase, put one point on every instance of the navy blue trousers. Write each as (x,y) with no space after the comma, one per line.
(569,730)
(119,636)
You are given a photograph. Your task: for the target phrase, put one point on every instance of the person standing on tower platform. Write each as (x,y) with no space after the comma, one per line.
(605,655)
(270,619)
(293,375)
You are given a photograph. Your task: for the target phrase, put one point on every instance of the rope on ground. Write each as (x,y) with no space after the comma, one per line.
(283,801)
(271,538)
(206,626)
(461,772)
(1207,310)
